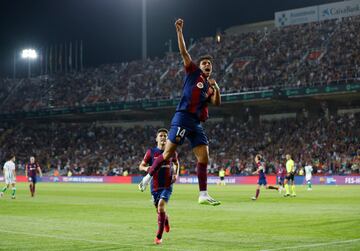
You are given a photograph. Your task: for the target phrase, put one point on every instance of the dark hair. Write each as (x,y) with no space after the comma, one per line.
(10,156)
(162,130)
(260,157)
(208,57)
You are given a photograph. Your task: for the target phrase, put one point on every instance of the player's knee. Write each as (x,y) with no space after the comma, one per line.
(161,206)
(203,158)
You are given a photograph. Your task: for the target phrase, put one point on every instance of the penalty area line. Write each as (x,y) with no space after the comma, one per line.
(61,237)
(314,245)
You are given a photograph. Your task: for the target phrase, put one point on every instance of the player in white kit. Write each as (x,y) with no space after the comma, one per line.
(308,175)
(9,176)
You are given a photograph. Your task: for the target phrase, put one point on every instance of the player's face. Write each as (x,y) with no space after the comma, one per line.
(32,159)
(206,67)
(161,138)
(287,157)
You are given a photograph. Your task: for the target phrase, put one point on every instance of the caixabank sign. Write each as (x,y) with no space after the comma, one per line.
(317,13)
(339,10)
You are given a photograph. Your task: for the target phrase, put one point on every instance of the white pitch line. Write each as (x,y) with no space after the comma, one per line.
(90,241)
(314,245)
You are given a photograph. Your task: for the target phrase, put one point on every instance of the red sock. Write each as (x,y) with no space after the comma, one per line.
(31,189)
(161,224)
(156,165)
(167,224)
(257,193)
(201,169)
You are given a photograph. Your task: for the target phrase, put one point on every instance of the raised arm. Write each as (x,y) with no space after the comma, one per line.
(181,42)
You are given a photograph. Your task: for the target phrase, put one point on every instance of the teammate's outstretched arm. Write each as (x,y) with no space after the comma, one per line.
(181,42)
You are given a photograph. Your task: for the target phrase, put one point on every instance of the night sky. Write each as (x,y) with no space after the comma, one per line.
(111,29)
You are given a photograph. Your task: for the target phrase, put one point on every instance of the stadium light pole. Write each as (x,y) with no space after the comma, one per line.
(144,31)
(29,55)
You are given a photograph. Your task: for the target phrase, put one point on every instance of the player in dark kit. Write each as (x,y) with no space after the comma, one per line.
(161,183)
(31,169)
(262,177)
(198,91)
(281,173)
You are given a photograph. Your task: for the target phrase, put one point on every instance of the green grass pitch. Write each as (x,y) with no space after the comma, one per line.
(119,217)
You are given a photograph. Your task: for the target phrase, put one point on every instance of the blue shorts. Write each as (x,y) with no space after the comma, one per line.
(32,179)
(161,194)
(281,180)
(185,125)
(262,182)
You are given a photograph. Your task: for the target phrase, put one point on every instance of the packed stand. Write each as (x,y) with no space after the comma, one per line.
(302,55)
(332,145)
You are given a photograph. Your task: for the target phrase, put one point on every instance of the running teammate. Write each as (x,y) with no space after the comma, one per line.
(198,91)
(262,177)
(161,183)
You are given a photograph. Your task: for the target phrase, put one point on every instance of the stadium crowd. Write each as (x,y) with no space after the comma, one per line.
(303,55)
(331,144)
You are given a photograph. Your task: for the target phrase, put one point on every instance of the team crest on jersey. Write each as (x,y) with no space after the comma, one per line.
(200,85)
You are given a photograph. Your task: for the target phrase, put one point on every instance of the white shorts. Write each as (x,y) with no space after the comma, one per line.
(308,177)
(9,179)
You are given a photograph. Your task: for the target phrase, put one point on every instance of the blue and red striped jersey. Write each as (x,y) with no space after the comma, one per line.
(162,178)
(32,169)
(261,165)
(281,171)
(196,93)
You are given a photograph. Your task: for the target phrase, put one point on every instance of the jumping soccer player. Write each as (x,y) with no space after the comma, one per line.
(198,90)
(308,175)
(161,184)
(10,176)
(262,177)
(31,169)
(290,173)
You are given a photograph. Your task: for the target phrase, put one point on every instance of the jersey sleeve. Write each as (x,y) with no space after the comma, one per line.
(147,156)
(191,68)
